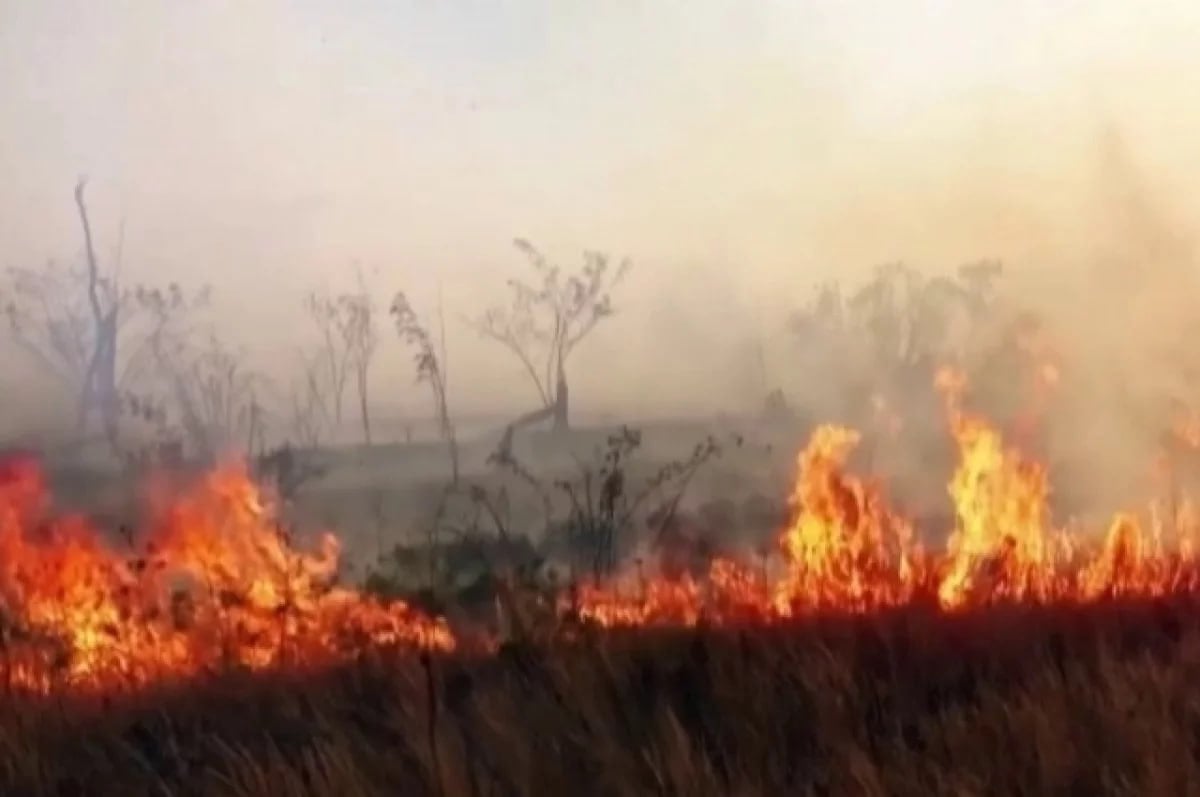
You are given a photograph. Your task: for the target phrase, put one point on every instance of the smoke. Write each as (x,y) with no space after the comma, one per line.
(738,157)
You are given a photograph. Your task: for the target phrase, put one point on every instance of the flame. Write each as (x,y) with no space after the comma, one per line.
(846,550)
(217,585)
(1000,544)
(842,549)
(674,602)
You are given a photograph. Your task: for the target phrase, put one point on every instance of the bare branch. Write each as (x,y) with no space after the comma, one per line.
(546,321)
(429,369)
(90,250)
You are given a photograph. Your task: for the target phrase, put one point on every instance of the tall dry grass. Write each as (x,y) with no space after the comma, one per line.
(1103,700)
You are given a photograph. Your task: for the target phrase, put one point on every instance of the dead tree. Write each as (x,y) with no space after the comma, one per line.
(348,341)
(333,354)
(214,400)
(93,336)
(431,369)
(885,339)
(218,402)
(546,320)
(309,417)
(364,341)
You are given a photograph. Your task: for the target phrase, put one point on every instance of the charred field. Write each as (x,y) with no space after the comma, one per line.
(1098,699)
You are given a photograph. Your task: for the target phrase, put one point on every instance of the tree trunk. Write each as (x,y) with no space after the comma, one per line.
(106,376)
(562,420)
(364,413)
(452,443)
(504,450)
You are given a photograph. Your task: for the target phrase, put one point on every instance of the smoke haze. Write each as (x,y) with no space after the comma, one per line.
(737,152)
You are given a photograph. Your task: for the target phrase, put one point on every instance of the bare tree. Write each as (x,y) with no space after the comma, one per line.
(887,337)
(49,318)
(99,389)
(216,399)
(348,342)
(86,331)
(294,461)
(363,340)
(333,354)
(547,318)
(431,369)
(309,405)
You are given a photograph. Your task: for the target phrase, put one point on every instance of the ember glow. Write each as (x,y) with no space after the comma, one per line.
(213,585)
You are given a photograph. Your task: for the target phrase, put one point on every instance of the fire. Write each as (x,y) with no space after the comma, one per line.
(1001,545)
(213,582)
(846,550)
(216,585)
(845,547)
(675,602)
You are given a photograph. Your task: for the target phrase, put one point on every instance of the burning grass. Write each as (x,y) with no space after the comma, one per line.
(1096,699)
(211,656)
(847,550)
(213,585)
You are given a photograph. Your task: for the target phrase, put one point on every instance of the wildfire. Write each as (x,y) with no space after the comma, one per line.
(845,548)
(1001,545)
(215,584)
(847,551)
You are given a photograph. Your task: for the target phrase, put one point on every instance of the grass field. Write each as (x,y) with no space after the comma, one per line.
(1018,700)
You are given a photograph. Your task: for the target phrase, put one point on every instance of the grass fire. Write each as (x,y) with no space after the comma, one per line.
(211,600)
(505,399)
(213,584)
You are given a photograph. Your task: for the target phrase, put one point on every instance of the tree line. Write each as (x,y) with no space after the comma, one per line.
(138,361)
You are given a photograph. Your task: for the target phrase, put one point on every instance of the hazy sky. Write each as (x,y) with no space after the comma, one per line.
(262,146)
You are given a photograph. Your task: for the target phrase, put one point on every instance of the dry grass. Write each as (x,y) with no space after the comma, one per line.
(1012,701)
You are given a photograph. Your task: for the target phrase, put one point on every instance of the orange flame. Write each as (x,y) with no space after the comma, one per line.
(218,585)
(846,551)
(1000,544)
(845,547)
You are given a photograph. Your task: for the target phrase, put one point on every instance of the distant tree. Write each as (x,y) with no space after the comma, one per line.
(212,398)
(294,459)
(430,362)
(547,318)
(309,417)
(365,342)
(87,331)
(886,338)
(359,311)
(332,355)
(348,342)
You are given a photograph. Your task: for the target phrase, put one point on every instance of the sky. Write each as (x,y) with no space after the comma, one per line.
(737,151)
